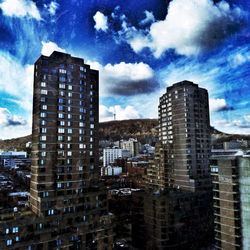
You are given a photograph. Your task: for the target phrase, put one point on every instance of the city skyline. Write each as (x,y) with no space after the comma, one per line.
(139,50)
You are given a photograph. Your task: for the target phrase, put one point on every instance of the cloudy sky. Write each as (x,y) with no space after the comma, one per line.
(139,47)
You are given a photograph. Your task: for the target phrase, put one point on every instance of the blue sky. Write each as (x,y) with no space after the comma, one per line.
(139,47)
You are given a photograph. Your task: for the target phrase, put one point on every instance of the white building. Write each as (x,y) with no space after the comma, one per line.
(111,154)
(132,145)
(111,171)
(12,159)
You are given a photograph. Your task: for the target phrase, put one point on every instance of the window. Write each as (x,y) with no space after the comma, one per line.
(43,99)
(81,124)
(43,154)
(69,124)
(60,138)
(80,145)
(42,114)
(69,94)
(9,242)
(44,107)
(69,87)
(43,138)
(43,123)
(44,91)
(50,211)
(61,86)
(69,116)
(61,130)
(69,153)
(60,100)
(7,231)
(62,78)
(69,130)
(61,123)
(69,109)
(69,138)
(69,101)
(43,145)
(43,84)
(92,126)
(61,93)
(60,115)
(44,130)
(60,108)
(62,71)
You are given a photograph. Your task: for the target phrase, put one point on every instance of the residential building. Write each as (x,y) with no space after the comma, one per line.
(132,145)
(111,154)
(230,174)
(184,129)
(68,206)
(177,204)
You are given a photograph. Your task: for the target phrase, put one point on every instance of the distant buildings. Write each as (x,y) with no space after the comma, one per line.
(132,145)
(111,154)
(68,204)
(230,170)
(13,159)
(111,171)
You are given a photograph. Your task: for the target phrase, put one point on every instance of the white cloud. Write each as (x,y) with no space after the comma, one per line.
(8,119)
(52,7)
(49,47)
(189,28)
(217,104)
(101,21)
(148,19)
(126,113)
(125,78)
(20,8)
(239,59)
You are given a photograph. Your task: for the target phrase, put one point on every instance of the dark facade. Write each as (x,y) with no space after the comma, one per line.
(230,172)
(184,129)
(69,206)
(177,204)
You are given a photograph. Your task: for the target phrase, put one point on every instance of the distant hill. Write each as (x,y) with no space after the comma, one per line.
(146,130)
(143,129)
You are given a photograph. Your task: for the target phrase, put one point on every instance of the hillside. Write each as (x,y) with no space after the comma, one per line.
(143,129)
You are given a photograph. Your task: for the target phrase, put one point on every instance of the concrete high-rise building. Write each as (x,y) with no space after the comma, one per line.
(178,200)
(184,130)
(231,191)
(68,204)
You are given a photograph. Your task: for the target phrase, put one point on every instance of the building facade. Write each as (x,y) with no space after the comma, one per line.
(132,145)
(68,205)
(111,154)
(184,129)
(230,173)
(177,204)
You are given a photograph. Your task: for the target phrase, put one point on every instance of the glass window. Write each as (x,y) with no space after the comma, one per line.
(43,84)
(60,108)
(42,114)
(69,130)
(44,91)
(61,86)
(44,107)
(60,115)
(60,100)
(43,138)
(69,87)
(61,130)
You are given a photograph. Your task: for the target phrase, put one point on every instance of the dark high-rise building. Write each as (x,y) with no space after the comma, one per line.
(68,204)
(184,130)
(178,203)
(230,174)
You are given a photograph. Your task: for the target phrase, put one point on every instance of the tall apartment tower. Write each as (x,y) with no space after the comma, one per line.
(230,174)
(178,200)
(184,131)
(65,127)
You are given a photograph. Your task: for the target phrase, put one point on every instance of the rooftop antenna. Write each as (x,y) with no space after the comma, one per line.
(114,116)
